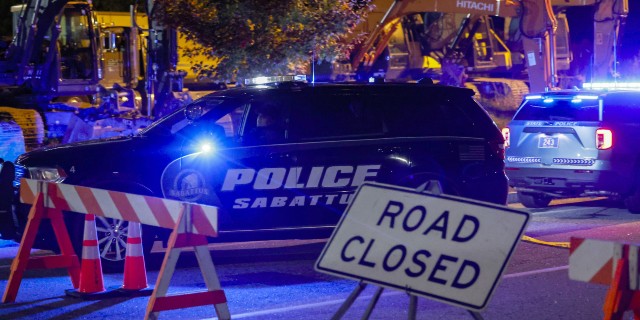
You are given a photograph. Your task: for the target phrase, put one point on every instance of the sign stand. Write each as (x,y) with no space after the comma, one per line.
(183,237)
(432,186)
(67,259)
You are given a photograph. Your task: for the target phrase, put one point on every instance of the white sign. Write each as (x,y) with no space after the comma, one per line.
(441,247)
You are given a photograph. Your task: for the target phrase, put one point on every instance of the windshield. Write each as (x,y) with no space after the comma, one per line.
(559,110)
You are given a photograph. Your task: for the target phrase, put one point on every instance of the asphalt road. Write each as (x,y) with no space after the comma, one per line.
(276,280)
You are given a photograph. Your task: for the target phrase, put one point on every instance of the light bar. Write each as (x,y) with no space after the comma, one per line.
(612,85)
(533,97)
(274,79)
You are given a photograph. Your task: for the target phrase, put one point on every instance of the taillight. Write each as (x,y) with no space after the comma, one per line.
(604,139)
(506,134)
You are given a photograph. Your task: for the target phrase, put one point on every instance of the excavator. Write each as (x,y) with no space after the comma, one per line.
(457,43)
(51,78)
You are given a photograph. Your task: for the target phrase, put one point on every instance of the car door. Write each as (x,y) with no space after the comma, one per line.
(338,141)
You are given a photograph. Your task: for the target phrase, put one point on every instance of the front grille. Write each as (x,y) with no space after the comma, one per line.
(524,159)
(574,162)
(471,152)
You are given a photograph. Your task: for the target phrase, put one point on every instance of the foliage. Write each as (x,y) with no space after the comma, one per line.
(258,37)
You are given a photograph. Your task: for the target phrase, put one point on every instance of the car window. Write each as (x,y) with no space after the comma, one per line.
(558,110)
(334,116)
(416,115)
(220,118)
(266,121)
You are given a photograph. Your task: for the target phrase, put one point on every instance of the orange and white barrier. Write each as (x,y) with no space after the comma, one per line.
(190,224)
(147,210)
(610,263)
(66,259)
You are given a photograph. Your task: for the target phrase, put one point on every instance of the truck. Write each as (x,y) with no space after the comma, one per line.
(68,77)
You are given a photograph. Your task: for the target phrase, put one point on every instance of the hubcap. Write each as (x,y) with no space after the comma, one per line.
(112,238)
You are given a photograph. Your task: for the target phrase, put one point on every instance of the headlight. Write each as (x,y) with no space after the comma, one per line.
(47,174)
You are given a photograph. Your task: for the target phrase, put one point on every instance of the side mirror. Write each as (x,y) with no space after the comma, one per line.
(193,112)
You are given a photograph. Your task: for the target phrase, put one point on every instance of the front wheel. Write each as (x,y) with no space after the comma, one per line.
(533,200)
(112,242)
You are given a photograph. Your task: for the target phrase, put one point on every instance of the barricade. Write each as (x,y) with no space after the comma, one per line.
(611,263)
(191,223)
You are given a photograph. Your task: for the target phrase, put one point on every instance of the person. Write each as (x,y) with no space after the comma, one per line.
(267,129)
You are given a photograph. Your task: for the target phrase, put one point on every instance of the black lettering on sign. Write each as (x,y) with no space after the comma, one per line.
(464,238)
(343,255)
(421,265)
(363,260)
(465,265)
(385,262)
(440,224)
(439,266)
(393,209)
(423,214)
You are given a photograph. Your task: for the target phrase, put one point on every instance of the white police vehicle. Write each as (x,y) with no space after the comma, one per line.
(576,143)
(284,158)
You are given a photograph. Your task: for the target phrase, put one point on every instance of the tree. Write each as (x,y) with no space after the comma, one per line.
(256,37)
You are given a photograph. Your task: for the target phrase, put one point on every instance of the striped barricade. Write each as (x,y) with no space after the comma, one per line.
(191,223)
(611,263)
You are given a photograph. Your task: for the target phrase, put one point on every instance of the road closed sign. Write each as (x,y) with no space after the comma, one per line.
(441,247)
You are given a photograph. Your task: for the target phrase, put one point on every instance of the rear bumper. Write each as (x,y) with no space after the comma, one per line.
(571,182)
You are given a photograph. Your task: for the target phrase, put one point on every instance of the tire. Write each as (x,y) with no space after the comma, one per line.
(533,200)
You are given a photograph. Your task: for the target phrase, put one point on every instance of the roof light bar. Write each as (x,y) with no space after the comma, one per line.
(612,85)
(586,97)
(533,97)
(274,79)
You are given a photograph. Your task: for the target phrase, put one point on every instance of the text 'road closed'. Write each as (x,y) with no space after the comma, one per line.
(449,249)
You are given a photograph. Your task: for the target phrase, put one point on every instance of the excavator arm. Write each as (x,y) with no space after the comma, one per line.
(609,17)
(380,35)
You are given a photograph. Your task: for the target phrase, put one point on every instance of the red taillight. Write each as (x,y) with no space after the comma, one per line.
(604,139)
(506,134)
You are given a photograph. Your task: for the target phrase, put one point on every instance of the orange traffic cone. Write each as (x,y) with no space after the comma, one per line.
(90,268)
(135,274)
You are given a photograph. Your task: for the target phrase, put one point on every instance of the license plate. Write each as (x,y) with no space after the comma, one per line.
(548,142)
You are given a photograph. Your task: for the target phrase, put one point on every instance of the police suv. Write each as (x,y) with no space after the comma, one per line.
(284,158)
(575,143)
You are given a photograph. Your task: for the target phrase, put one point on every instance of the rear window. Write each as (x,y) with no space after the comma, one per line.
(558,110)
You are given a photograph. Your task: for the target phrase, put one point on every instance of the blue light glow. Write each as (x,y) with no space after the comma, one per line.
(612,85)
(206,147)
(547,100)
(586,97)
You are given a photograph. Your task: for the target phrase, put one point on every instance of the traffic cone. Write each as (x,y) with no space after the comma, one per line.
(90,267)
(135,274)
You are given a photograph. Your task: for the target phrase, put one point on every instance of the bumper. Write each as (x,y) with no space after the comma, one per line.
(570,182)
(8,195)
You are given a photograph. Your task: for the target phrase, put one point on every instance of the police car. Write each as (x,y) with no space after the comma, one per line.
(283,158)
(576,143)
